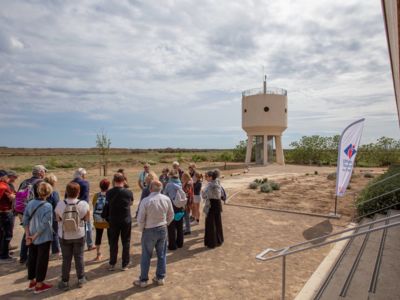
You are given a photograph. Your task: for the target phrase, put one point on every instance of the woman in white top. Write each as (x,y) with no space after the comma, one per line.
(71,215)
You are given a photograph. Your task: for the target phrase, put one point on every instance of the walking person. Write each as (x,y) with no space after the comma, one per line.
(99,202)
(176,167)
(164,177)
(192,169)
(155,213)
(27,191)
(187,186)
(122,171)
(53,200)
(71,215)
(146,191)
(175,228)
(119,201)
(197,183)
(80,178)
(212,195)
(143,175)
(7,197)
(37,221)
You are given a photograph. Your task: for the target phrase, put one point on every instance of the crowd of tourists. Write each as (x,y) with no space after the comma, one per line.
(60,227)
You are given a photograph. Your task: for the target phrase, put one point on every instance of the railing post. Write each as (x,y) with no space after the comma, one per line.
(283,277)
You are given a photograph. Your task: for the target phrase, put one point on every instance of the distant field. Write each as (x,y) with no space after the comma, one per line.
(22,159)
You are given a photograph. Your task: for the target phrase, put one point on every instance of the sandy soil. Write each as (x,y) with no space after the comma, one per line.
(228,272)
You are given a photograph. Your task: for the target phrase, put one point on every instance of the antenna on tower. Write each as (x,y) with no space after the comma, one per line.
(265,81)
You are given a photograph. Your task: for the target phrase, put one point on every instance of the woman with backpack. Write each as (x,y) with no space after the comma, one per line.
(71,215)
(213,194)
(37,221)
(175,228)
(99,201)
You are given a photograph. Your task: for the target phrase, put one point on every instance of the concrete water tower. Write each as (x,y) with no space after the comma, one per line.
(264,118)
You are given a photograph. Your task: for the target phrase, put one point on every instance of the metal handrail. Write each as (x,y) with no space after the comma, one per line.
(283,252)
(387,178)
(376,211)
(270,91)
(377,197)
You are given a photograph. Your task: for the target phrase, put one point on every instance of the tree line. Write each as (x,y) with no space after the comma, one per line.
(322,150)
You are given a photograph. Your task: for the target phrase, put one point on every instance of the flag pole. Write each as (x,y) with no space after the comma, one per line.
(335,205)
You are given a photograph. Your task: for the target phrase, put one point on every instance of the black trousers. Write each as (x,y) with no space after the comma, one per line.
(6,233)
(38,261)
(214,235)
(116,230)
(72,248)
(175,234)
(99,235)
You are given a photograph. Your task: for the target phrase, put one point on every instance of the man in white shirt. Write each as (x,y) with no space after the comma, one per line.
(155,213)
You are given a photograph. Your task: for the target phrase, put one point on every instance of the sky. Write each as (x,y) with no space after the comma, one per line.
(154,74)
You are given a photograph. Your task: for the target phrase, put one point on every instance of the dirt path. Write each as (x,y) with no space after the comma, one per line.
(193,272)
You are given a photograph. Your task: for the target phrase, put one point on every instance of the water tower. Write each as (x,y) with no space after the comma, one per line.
(264,118)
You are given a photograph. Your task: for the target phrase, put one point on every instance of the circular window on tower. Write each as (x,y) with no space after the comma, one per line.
(266,109)
(245,110)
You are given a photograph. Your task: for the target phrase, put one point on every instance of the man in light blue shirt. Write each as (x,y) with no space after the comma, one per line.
(155,213)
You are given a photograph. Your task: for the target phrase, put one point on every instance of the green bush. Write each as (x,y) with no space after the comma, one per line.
(274,185)
(199,158)
(372,191)
(261,181)
(253,185)
(320,150)
(266,188)
(331,176)
(239,153)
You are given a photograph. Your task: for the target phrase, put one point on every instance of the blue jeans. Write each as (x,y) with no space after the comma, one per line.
(89,239)
(154,238)
(187,222)
(6,233)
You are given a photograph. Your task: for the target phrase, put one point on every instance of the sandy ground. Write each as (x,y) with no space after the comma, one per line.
(228,272)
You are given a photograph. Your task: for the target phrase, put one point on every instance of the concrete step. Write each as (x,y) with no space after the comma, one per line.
(335,284)
(359,281)
(387,287)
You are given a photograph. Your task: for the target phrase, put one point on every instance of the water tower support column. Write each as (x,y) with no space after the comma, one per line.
(265,149)
(279,150)
(249,148)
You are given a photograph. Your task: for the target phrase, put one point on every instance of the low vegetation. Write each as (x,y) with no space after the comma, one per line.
(265,185)
(386,184)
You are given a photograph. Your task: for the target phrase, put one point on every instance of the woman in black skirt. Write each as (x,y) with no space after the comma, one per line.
(212,193)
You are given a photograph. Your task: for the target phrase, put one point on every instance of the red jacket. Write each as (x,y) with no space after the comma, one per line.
(5,196)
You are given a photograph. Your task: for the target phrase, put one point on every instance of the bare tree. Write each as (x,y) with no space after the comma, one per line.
(103,143)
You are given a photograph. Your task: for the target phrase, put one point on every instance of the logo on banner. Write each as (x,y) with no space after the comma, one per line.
(350,151)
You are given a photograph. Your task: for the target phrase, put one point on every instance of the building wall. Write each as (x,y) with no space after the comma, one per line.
(391,17)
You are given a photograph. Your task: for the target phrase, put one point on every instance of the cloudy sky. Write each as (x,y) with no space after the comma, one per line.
(170,73)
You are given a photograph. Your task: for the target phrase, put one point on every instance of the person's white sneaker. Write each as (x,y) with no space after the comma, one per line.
(194,223)
(140,283)
(159,281)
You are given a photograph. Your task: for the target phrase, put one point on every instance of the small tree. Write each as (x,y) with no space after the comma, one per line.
(225,157)
(103,143)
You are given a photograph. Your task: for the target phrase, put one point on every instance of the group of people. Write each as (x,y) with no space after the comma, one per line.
(169,207)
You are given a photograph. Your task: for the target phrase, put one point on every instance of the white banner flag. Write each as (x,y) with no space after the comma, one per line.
(348,147)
